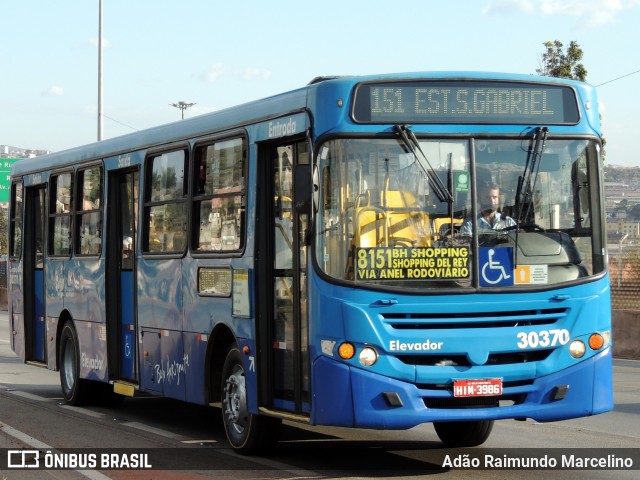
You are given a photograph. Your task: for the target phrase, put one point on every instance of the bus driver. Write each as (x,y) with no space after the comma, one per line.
(489,218)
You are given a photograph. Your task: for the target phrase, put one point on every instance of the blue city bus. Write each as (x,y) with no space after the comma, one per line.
(328,256)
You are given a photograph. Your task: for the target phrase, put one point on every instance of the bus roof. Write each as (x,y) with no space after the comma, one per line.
(241,115)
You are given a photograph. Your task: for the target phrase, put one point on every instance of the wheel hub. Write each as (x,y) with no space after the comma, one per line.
(235,399)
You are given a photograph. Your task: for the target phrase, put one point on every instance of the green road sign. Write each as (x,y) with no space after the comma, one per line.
(5,177)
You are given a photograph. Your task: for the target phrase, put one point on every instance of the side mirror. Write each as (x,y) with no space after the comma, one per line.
(316,188)
(302,188)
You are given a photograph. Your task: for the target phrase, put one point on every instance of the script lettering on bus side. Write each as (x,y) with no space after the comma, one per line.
(34,179)
(124,161)
(419,263)
(282,128)
(171,370)
(91,362)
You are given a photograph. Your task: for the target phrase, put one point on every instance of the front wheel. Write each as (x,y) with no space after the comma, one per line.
(246,432)
(464,434)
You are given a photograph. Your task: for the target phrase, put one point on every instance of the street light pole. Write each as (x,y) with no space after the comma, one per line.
(182,106)
(622,239)
(100,70)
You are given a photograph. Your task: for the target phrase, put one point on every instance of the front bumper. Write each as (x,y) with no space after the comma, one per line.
(354,397)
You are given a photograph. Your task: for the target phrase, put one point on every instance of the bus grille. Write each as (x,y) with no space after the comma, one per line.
(500,321)
(453,320)
(462,360)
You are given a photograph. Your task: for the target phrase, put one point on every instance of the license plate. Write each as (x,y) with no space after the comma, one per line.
(486,387)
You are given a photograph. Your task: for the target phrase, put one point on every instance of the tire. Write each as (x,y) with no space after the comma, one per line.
(74,389)
(246,432)
(464,434)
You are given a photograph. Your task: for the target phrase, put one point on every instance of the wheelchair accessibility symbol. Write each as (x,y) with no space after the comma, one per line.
(127,347)
(496,267)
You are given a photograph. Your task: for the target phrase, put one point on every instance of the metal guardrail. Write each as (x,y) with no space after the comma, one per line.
(624,268)
(626,296)
(3,273)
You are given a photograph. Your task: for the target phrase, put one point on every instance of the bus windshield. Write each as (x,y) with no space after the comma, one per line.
(382,223)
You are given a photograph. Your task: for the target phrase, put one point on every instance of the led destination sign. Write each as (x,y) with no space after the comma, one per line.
(465,102)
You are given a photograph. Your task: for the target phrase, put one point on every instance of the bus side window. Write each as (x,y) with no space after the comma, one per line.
(219,199)
(165,203)
(60,215)
(16,221)
(89,214)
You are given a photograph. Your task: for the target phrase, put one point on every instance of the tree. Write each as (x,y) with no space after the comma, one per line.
(634,212)
(557,62)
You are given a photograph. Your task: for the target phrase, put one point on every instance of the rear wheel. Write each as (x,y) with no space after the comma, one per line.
(464,434)
(74,389)
(246,432)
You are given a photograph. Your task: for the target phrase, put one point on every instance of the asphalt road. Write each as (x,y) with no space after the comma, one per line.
(187,441)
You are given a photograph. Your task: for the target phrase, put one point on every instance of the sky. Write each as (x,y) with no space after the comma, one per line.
(220,54)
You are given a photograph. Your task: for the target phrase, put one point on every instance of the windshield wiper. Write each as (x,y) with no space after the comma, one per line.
(411,142)
(524,192)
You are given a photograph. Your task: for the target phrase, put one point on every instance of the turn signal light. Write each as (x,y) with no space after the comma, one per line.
(346,351)
(596,342)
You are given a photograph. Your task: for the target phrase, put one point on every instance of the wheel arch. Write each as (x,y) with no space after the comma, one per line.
(65,316)
(220,340)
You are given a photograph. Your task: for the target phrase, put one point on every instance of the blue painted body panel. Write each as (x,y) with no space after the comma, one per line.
(194,360)
(589,394)
(82,287)
(160,293)
(128,334)
(93,350)
(358,316)
(149,377)
(39,327)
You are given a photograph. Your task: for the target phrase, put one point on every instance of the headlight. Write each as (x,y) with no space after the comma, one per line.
(577,349)
(368,356)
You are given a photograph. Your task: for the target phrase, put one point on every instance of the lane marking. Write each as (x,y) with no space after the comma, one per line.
(35,443)
(95,475)
(84,411)
(28,395)
(157,431)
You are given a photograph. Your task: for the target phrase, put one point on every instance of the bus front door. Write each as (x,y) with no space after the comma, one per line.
(283,324)
(122,228)
(35,324)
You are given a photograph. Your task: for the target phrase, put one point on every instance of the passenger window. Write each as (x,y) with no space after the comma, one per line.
(89,212)
(219,196)
(60,215)
(16,221)
(165,203)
